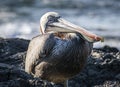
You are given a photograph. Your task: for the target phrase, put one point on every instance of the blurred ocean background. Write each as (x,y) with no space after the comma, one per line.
(20,18)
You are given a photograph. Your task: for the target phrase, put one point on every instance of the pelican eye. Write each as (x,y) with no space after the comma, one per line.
(52,19)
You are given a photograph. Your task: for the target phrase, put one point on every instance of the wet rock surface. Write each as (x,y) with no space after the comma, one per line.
(102,69)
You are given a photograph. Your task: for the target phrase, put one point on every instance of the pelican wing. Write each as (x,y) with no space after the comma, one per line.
(39,48)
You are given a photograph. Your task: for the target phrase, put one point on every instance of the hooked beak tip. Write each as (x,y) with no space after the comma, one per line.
(102,39)
(99,39)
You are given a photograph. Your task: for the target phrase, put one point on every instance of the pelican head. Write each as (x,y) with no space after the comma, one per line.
(52,22)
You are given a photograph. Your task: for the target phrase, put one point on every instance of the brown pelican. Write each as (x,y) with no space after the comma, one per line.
(61,51)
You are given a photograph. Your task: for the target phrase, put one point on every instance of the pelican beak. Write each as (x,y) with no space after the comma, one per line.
(65,26)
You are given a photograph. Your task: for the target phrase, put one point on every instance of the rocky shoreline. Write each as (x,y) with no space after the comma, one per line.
(102,69)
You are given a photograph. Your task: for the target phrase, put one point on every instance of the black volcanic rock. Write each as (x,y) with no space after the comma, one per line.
(102,69)
(12,46)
